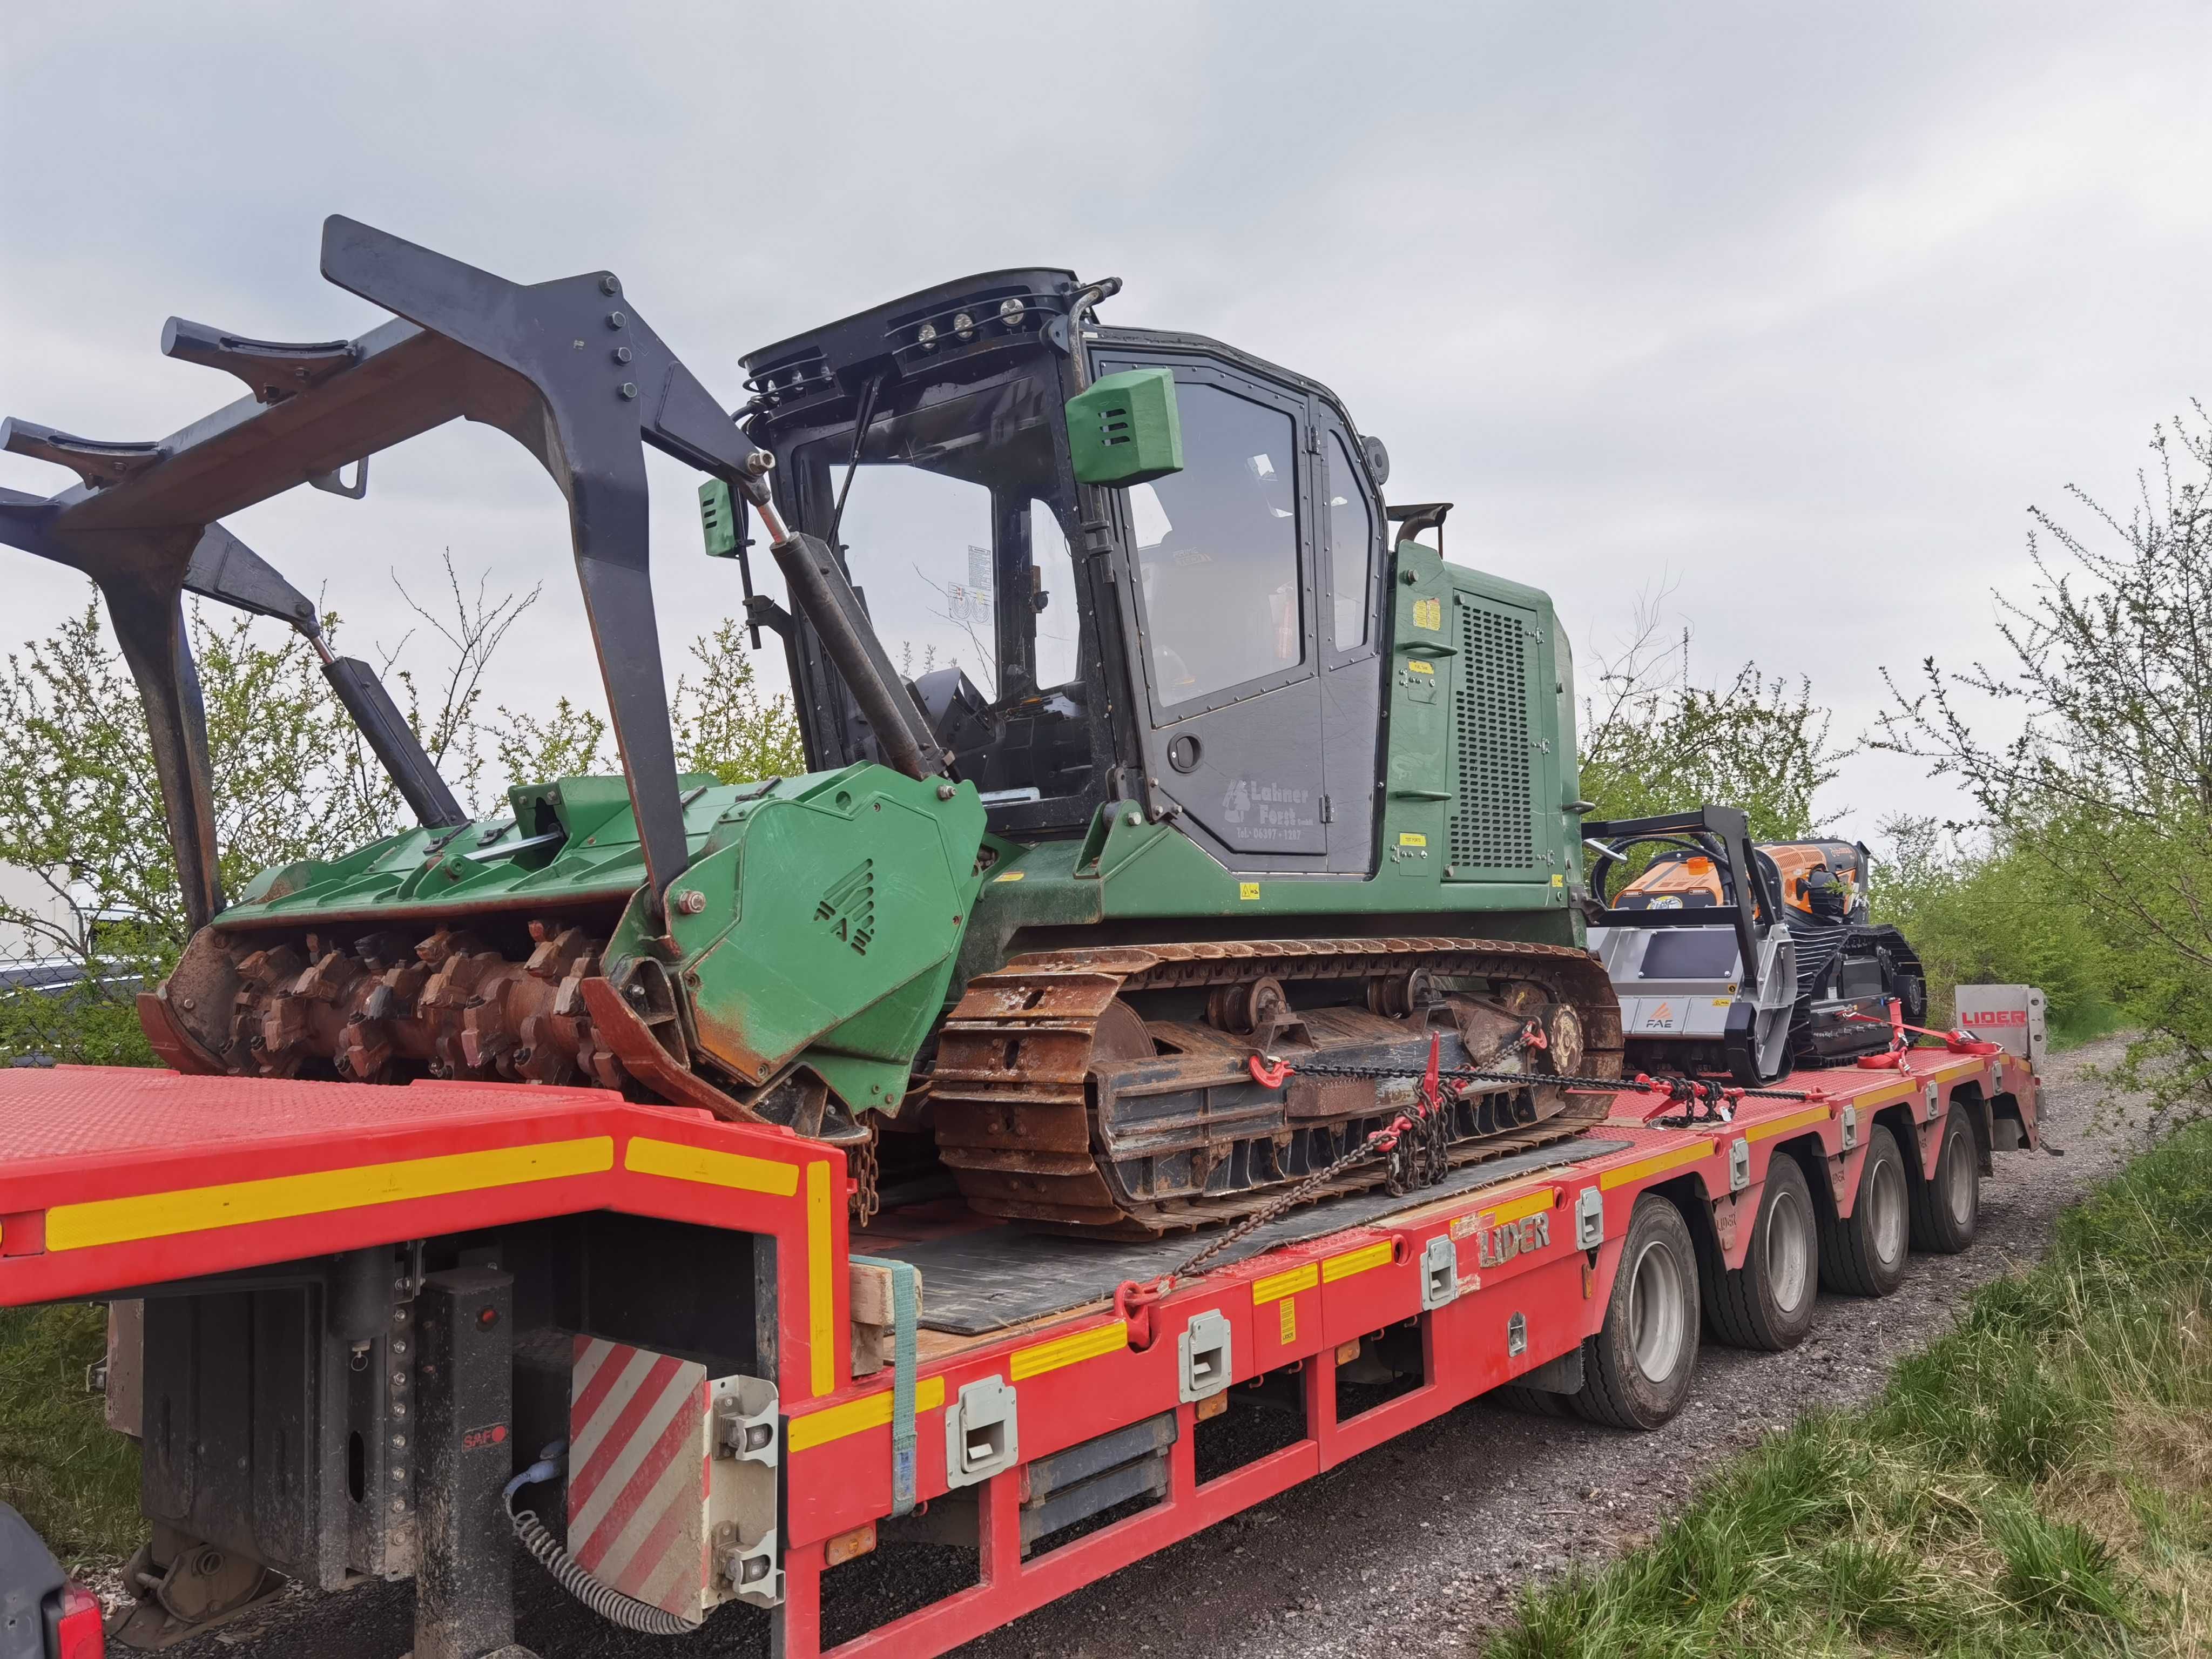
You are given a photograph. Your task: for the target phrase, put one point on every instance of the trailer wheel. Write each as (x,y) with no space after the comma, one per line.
(1532,1402)
(1636,1369)
(1946,1212)
(1768,1304)
(1865,1254)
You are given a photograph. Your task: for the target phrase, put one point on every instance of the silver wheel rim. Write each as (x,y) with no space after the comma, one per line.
(1959,1177)
(1788,1250)
(1885,1219)
(1657,1307)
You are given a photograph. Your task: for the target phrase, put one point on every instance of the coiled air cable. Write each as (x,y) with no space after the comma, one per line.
(610,1603)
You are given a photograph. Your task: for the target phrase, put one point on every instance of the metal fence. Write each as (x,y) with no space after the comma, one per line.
(67,1011)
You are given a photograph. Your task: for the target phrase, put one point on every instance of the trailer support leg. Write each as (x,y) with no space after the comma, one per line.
(464,1580)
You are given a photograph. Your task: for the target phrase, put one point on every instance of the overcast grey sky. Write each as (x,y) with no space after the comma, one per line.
(1796,309)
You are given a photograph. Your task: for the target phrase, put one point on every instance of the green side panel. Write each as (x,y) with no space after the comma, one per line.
(1123,428)
(432,875)
(829,915)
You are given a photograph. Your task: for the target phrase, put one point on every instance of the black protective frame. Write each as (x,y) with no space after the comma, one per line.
(1720,833)
(813,383)
(563,366)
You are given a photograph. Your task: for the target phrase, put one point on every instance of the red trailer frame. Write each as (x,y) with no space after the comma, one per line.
(114,1180)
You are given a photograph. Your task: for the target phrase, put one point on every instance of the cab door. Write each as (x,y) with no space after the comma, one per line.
(1217,592)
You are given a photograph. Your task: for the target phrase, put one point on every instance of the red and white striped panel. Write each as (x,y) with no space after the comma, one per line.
(638,1452)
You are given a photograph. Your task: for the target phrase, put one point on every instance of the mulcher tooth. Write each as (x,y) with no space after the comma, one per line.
(97,461)
(273,370)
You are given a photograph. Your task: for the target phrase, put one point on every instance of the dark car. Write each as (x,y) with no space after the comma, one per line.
(44,1613)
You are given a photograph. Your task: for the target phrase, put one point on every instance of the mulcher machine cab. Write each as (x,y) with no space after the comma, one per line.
(1750,958)
(1197,758)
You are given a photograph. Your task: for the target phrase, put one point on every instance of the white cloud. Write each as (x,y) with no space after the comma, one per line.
(1801,308)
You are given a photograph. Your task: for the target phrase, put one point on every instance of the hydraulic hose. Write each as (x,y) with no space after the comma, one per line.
(610,1603)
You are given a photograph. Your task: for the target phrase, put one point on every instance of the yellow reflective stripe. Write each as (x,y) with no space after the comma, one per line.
(1356,1261)
(710,1168)
(1110,1338)
(1674,1159)
(1783,1125)
(283,1198)
(874,1411)
(1278,1285)
(1527,1204)
(821,1308)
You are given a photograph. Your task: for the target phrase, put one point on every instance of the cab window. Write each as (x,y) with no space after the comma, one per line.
(1351,546)
(1218,549)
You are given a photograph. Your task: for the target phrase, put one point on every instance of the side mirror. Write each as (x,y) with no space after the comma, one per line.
(1124,430)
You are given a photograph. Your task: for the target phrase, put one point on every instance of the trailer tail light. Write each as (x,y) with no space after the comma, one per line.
(78,1634)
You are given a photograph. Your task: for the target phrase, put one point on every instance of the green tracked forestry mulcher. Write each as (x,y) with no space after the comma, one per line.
(1143,735)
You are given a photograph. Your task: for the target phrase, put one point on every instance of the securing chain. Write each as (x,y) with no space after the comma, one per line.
(1419,1146)
(1428,1129)
(861,1161)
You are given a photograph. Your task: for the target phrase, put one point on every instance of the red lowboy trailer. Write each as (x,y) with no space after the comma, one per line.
(364,1306)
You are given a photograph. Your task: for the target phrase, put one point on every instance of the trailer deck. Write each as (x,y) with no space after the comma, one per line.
(1061,1437)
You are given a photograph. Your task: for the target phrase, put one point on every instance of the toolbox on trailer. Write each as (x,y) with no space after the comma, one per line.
(325,1257)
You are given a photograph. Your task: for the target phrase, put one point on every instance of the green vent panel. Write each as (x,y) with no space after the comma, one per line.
(1494,824)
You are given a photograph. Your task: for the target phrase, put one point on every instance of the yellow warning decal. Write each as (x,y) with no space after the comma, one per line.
(1514,1208)
(874,1411)
(1408,838)
(1278,1285)
(646,1156)
(1420,668)
(1247,891)
(1783,1125)
(1109,1337)
(821,1296)
(1675,1160)
(1558,881)
(1377,1254)
(1287,1326)
(1429,614)
(284,1198)
(1011,875)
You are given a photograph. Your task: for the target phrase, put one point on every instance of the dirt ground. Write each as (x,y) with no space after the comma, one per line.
(1410,1551)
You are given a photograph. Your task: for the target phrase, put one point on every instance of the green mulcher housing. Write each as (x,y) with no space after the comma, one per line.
(1144,738)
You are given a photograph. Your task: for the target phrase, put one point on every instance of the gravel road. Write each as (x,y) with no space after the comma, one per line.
(1406,1552)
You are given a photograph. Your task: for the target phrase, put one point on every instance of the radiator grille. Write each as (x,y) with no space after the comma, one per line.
(1491,826)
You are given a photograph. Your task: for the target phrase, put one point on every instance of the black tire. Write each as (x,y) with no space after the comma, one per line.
(1768,1304)
(1637,1370)
(1946,1211)
(1866,1255)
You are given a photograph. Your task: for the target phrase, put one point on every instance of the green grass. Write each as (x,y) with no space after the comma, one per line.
(75,1479)
(2092,1019)
(2039,1482)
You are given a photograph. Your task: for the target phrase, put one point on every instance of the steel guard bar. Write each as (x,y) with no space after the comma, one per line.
(565,367)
